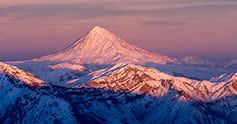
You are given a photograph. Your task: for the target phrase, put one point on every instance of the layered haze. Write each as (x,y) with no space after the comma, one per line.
(176,28)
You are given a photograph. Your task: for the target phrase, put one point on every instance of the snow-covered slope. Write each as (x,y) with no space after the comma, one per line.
(53,72)
(100,46)
(224,77)
(18,74)
(24,98)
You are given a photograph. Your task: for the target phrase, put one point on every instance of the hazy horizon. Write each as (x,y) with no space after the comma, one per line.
(174,28)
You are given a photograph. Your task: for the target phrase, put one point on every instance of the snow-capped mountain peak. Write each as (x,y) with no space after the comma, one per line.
(99,32)
(100,46)
(96,37)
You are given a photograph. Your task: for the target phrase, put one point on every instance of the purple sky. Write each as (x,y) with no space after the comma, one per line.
(204,28)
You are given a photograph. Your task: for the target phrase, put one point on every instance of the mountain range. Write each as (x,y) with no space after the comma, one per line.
(101,78)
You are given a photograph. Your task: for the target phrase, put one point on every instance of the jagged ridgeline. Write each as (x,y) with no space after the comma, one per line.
(123,93)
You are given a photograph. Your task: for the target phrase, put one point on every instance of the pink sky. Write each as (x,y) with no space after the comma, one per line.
(175,28)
